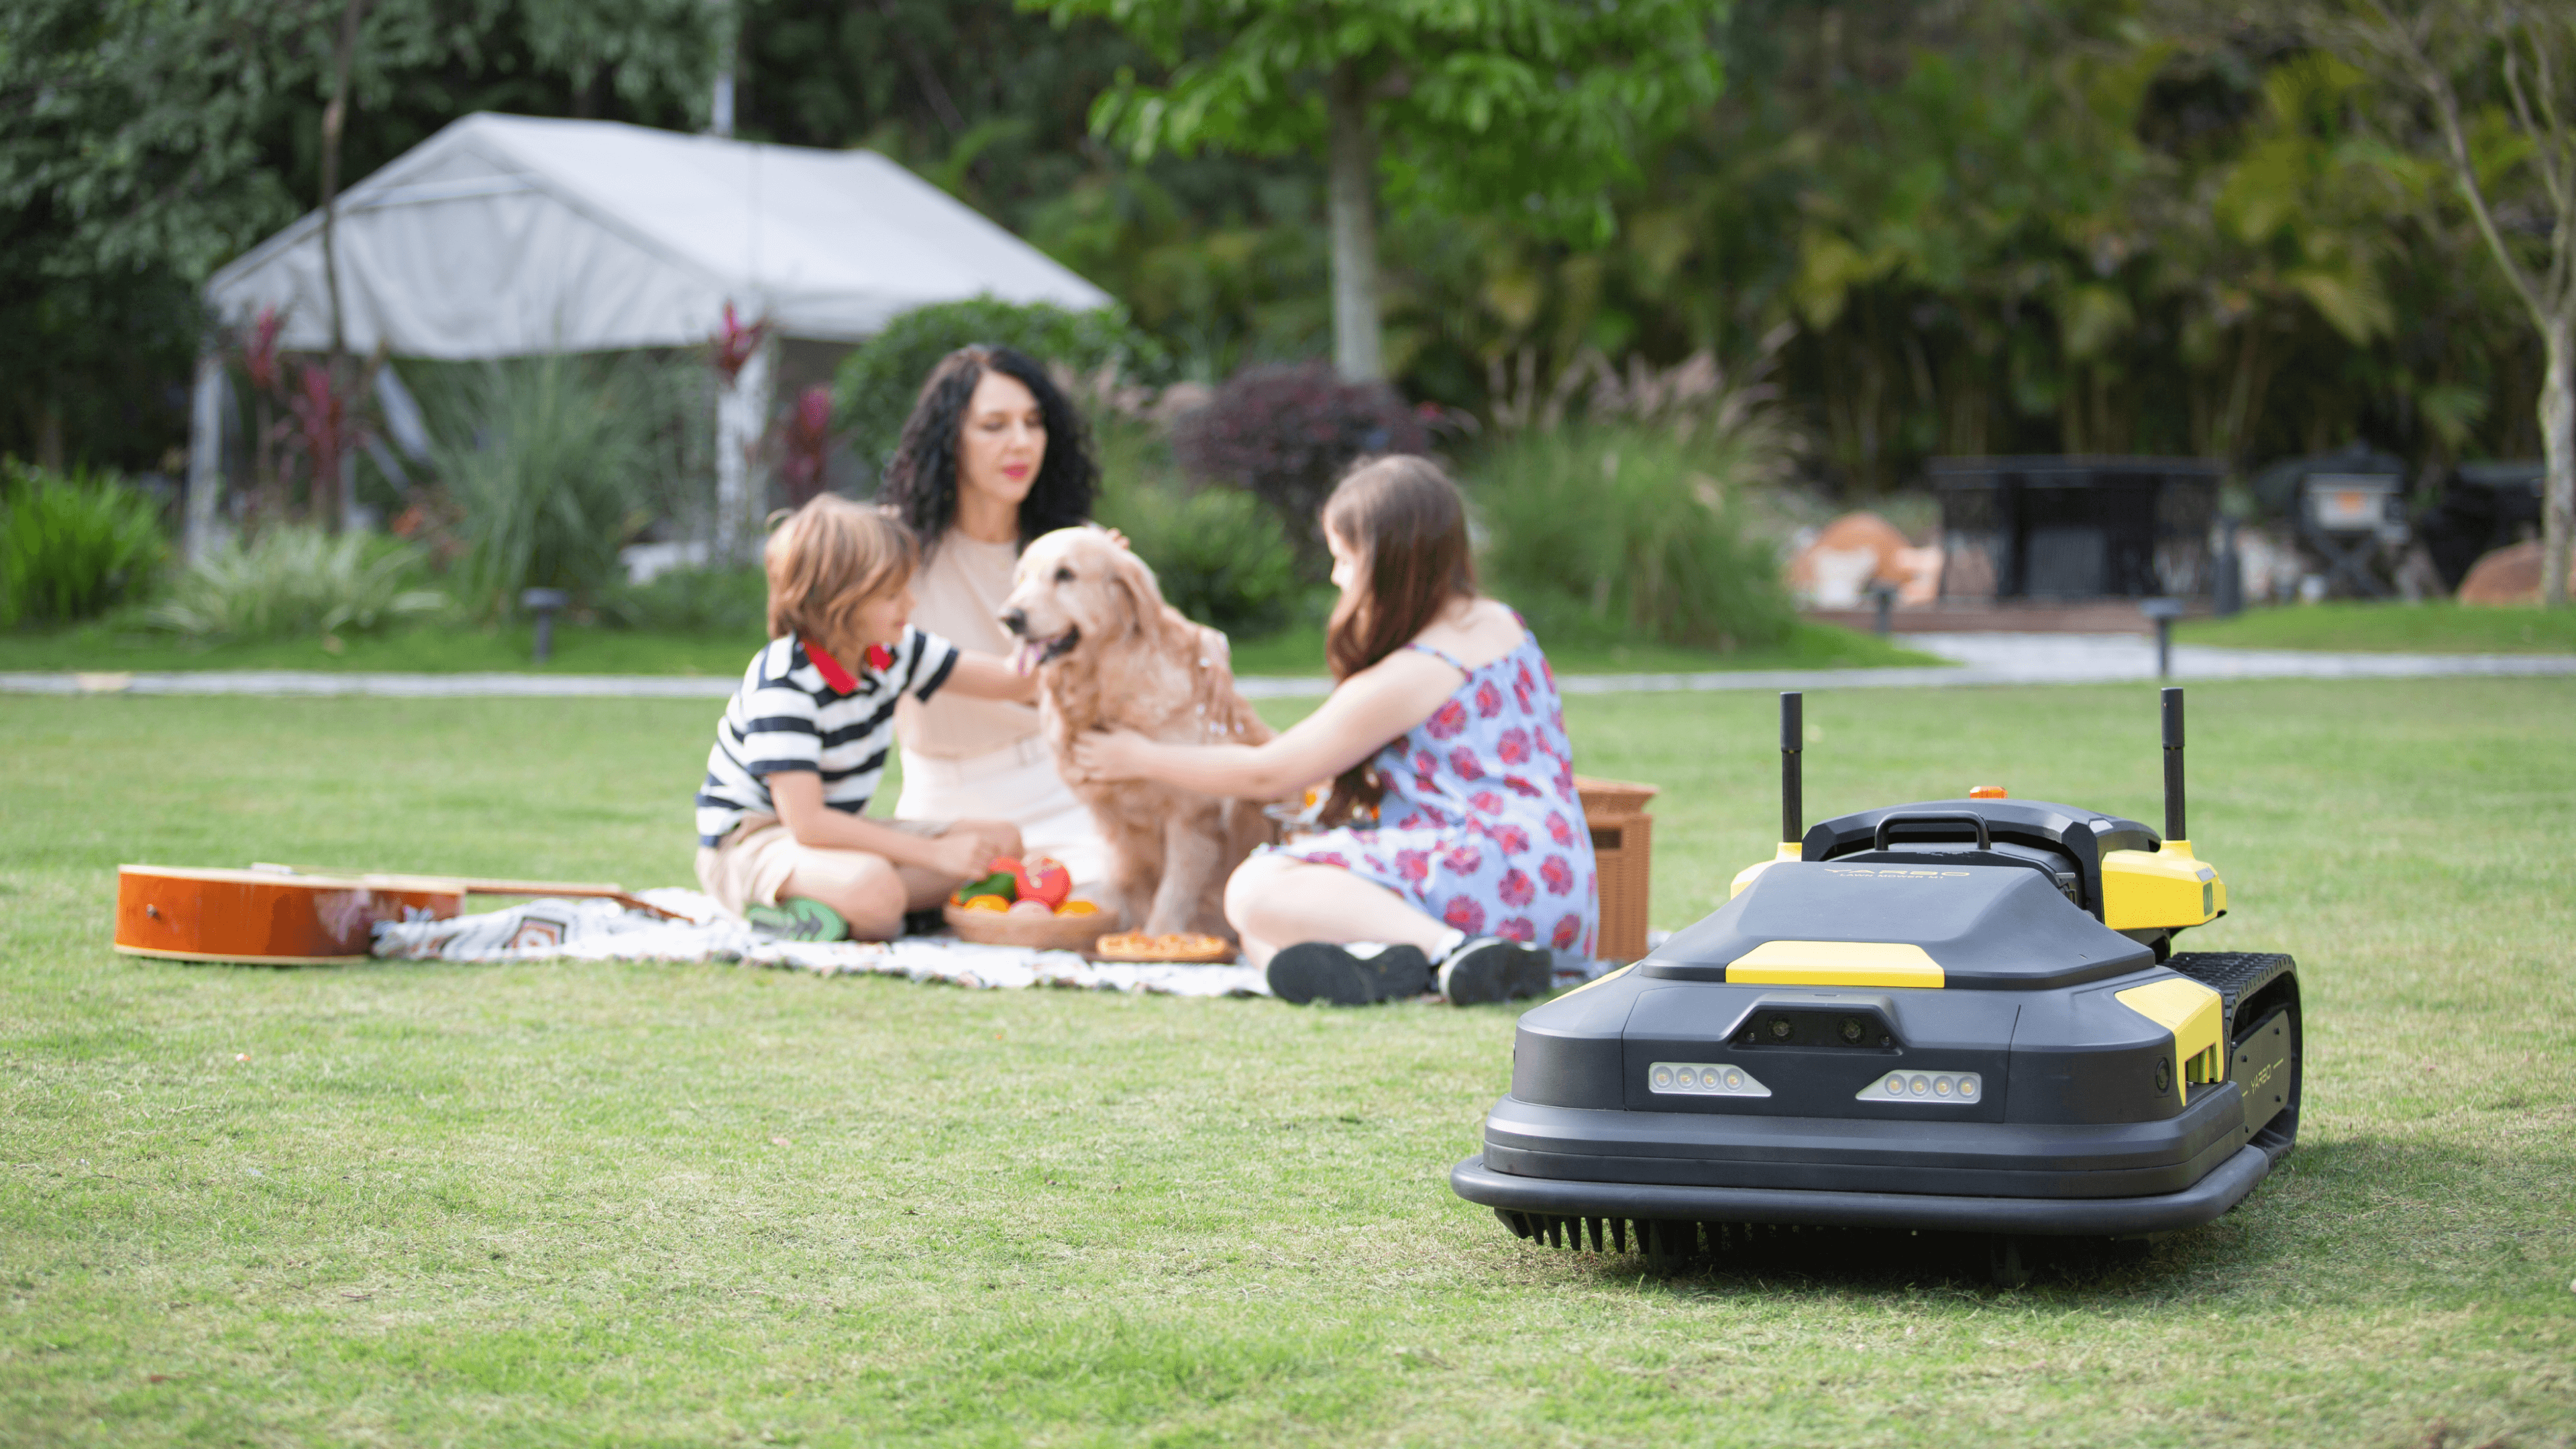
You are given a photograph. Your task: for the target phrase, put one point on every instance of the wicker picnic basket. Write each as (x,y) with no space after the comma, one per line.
(1623,843)
(1045,933)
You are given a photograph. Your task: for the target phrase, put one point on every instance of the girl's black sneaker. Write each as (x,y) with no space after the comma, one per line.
(1347,973)
(1490,968)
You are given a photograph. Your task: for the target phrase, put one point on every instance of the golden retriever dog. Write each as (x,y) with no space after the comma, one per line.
(1109,653)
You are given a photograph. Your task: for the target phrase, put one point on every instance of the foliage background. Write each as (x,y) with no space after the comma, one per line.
(2081,226)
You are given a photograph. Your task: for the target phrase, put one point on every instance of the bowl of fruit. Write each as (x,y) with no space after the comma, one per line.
(1026,903)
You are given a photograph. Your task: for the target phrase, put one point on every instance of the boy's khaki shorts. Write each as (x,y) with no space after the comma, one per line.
(754,862)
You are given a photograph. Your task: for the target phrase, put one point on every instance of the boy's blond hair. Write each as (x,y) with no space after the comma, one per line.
(828,558)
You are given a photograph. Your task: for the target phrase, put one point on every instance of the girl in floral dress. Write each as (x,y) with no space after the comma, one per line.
(1461,853)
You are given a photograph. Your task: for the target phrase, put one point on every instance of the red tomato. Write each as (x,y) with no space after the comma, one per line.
(1040,878)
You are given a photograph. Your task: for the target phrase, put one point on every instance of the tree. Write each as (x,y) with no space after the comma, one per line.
(1532,107)
(2500,79)
(145,142)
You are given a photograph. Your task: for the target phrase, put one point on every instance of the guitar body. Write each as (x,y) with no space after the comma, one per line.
(268,918)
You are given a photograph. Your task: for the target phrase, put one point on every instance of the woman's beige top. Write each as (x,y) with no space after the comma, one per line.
(956,596)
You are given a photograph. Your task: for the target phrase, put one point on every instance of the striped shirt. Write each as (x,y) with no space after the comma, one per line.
(798,709)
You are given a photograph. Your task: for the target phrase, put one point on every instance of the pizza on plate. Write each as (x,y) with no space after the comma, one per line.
(1175,946)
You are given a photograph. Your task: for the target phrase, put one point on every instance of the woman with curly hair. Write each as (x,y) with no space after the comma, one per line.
(992,456)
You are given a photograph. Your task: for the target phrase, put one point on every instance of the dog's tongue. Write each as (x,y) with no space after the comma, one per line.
(1025,658)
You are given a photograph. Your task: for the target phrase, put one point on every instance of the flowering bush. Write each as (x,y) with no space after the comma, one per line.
(1287,433)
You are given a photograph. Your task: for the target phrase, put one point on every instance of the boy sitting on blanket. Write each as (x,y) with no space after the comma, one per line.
(783,834)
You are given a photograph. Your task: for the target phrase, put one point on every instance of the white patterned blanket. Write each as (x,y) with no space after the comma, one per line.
(564,930)
(561,930)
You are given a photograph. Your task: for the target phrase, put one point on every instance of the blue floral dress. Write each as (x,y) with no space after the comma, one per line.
(1480,825)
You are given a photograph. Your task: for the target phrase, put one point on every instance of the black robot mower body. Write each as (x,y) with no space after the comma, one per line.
(1960,1015)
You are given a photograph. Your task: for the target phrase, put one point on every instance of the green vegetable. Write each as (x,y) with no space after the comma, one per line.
(999,883)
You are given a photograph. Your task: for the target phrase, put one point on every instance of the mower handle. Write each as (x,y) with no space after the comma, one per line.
(1985,835)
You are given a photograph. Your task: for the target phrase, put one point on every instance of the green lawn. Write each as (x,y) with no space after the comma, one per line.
(565,1204)
(2430,628)
(1809,646)
(580,650)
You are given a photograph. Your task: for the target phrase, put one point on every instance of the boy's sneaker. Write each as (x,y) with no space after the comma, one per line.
(1348,974)
(1490,968)
(797,918)
(928,922)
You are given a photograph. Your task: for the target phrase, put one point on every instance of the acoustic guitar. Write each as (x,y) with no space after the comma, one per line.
(278,916)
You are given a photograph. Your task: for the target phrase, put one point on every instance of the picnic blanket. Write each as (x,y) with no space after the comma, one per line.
(567,930)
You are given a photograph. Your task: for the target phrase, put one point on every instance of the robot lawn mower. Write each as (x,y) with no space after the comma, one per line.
(1960,1015)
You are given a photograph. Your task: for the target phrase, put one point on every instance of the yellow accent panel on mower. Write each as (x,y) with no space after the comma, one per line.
(1789,850)
(2142,889)
(2197,1017)
(1835,963)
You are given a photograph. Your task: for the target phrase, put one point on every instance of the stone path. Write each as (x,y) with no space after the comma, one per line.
(1983,659)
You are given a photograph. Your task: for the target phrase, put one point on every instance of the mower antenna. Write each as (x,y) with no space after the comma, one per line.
(1793,812)
(2173,765)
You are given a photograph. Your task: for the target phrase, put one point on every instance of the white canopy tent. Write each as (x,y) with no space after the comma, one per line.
(503,236)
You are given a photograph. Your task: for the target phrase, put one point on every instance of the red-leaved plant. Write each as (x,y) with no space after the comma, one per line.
(326,431)
(734,343)
(259,349)
(1287,432)
(807,442)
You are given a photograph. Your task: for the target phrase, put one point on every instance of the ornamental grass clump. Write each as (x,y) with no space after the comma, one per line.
(549,464)
(72,546)
(1630,522)
(294,581)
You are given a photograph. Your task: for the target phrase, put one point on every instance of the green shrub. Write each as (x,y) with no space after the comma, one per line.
(1218,554)
(72,547)
(876,385)
(550,464)
(1600,533)
(294,581)
(693,601)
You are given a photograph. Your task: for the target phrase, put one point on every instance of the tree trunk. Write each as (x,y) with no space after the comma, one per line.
(48,419)
(326,471)
(2558,445)
(1353,192)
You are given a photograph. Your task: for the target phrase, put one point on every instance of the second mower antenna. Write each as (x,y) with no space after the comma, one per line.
(2173,765)
(1793,811)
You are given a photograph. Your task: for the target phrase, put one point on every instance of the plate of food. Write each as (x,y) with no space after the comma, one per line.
(1176,947)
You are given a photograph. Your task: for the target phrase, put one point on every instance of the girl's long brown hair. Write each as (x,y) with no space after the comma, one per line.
(1405,520)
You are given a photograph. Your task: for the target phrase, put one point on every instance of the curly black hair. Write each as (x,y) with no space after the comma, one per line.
(921,479)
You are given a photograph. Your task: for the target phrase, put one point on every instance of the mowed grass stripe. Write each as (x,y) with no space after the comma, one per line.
(659,1203)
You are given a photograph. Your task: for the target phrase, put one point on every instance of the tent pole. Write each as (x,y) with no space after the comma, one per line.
(742,415)
(205,456)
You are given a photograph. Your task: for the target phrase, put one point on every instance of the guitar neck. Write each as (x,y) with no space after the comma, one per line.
(479,886)
(491,886)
